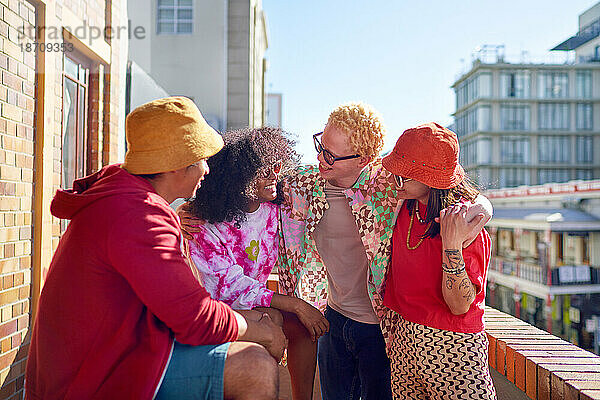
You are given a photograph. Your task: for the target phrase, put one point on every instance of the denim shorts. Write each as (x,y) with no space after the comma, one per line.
(194,372)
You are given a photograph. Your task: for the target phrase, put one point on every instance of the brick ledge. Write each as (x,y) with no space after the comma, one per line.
(542,365)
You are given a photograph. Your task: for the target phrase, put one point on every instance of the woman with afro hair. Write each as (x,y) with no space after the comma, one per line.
(231,229)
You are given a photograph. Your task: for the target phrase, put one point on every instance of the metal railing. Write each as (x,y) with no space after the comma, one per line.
(536,272)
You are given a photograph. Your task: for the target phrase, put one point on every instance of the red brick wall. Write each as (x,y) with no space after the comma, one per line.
(30,148)
(17,107)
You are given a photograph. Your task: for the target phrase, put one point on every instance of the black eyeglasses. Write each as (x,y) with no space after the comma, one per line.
(400,181)
(327,156)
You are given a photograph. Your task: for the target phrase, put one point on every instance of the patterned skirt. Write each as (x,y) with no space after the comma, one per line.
(429,363)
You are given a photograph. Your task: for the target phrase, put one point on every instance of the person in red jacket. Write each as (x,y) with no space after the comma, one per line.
(121,314)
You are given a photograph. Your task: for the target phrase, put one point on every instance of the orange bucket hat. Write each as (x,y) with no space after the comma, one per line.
(428,154)
(166,135)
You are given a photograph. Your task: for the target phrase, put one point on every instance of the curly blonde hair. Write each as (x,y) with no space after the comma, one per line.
(364,125)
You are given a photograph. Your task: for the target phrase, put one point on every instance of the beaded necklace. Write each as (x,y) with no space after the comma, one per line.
(421,220)
(412,218)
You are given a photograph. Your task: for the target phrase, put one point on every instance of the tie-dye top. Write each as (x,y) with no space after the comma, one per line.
(234,263)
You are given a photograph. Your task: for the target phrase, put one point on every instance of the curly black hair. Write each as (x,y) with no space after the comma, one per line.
(227,190)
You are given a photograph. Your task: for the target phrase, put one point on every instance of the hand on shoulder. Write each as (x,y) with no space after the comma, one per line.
(189,223)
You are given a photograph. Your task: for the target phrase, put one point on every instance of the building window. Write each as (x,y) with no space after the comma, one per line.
(74,122)
(584,149)
(548,175)
(474,88)
(476,152)
(515,84)
(484,119)
(514,150)
(553,116)
(511,177)
(584,117)
(484,151)
(471,121)
(514,117)
(175,17)
(485,84)
(584,174)
(554,149)
(552,85)
(584,84)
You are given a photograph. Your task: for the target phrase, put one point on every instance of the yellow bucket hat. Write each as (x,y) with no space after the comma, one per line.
(166,135)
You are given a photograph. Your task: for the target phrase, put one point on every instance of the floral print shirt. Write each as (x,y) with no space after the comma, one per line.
(374,206)
(234,263)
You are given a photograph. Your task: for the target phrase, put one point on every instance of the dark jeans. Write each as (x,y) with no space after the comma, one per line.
(352,360)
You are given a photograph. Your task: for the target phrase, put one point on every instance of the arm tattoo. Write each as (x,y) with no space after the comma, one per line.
(456,263)
(450,283)
(466,288)
(454,258)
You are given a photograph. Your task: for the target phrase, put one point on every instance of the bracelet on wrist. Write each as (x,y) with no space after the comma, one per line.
(454,271)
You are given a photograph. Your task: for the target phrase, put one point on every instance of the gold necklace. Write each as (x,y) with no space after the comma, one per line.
(408,246)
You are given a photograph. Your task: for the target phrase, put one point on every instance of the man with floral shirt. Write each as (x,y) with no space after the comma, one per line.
(335,234)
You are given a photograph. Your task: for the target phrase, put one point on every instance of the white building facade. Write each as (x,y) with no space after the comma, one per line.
(527,124)
(209,50)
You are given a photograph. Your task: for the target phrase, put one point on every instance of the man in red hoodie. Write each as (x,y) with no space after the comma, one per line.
(121,314)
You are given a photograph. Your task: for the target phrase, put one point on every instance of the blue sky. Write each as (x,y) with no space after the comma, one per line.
(399,56)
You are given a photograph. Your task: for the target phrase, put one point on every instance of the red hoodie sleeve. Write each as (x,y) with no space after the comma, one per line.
(144,247)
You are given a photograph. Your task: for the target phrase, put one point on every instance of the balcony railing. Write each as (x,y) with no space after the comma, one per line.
(534,272)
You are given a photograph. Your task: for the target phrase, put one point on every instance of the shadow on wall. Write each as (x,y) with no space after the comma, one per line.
(14,382)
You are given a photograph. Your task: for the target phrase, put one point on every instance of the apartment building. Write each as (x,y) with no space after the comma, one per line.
(523,123)
(586,42)
(545,266)
(211,51)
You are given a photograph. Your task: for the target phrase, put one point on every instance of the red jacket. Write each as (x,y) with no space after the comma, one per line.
(118,291)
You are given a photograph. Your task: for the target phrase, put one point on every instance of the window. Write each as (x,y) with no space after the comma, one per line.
(471,121)
(553,116)
(584,174)
(485,84)
(484,151)
(584,84)
(474,88)
(74,122)
(514,150)
(548,175)
(514,117)
(584,117)
(553,85)
(175,17)
(476,152)
(511,177)
(515,84)
(584,149)
(484,119)
(554,149)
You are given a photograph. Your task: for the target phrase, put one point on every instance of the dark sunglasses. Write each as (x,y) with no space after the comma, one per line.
(274,169)
(327,156)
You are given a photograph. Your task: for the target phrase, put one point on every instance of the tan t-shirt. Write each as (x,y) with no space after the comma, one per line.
(343,254)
